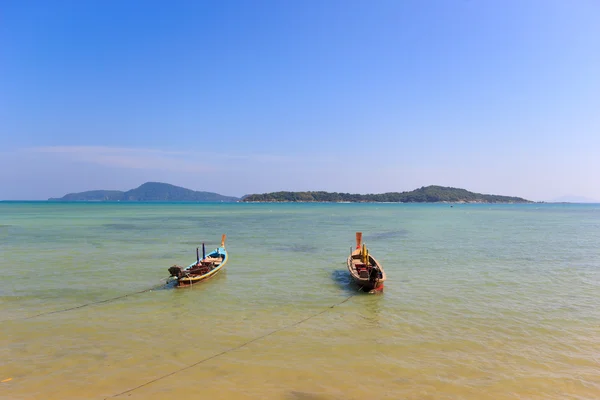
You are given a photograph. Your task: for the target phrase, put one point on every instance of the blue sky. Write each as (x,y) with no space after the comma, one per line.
(242,97)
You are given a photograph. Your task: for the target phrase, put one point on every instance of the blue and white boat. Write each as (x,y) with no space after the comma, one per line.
(204,268)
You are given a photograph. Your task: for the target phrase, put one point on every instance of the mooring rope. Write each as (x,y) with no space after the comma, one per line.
(233,348)
(87,304)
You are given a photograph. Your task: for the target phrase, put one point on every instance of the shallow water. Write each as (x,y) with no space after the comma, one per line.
(481,302)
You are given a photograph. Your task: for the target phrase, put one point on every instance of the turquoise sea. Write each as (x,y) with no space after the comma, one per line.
(481,302)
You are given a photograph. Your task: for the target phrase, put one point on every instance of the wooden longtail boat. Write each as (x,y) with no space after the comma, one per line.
(365,270)
(204,268)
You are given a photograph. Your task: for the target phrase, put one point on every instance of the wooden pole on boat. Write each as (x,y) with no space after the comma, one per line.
(223,240)
(203,251)
(358,239)
(363,253)
(197,255)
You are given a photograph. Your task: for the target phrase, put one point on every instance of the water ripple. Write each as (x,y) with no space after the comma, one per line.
(481,302)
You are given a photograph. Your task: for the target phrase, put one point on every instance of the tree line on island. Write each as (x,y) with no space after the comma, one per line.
(428,194)
(156,191)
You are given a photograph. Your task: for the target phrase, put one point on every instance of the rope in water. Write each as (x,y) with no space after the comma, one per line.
(87,304)
(233,348)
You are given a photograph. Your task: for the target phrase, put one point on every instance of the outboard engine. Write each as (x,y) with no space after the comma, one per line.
(176,271)
(375,274)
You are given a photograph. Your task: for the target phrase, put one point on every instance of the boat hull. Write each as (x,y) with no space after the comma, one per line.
(367,286)
(202,270)
(365,270)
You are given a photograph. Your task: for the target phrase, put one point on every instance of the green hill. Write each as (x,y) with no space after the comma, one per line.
(429,194)
(150,191)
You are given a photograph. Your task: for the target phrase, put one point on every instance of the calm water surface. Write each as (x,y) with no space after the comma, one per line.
(481,302)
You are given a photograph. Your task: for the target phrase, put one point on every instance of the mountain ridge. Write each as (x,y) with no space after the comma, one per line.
(149,191)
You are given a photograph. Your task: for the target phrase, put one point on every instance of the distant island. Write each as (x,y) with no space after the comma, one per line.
(428,194)
(149,191)
(156,191)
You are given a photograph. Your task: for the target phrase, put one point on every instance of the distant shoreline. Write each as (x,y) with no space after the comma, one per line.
(425,194)
(155,192)
(288,202)
(389,202)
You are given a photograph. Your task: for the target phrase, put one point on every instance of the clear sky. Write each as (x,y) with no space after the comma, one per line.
(253,96)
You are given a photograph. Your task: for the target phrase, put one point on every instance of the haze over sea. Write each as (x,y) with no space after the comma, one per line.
(481,302)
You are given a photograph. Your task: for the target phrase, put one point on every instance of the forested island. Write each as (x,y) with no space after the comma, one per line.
(156,191)
(428,194)
(149,191)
